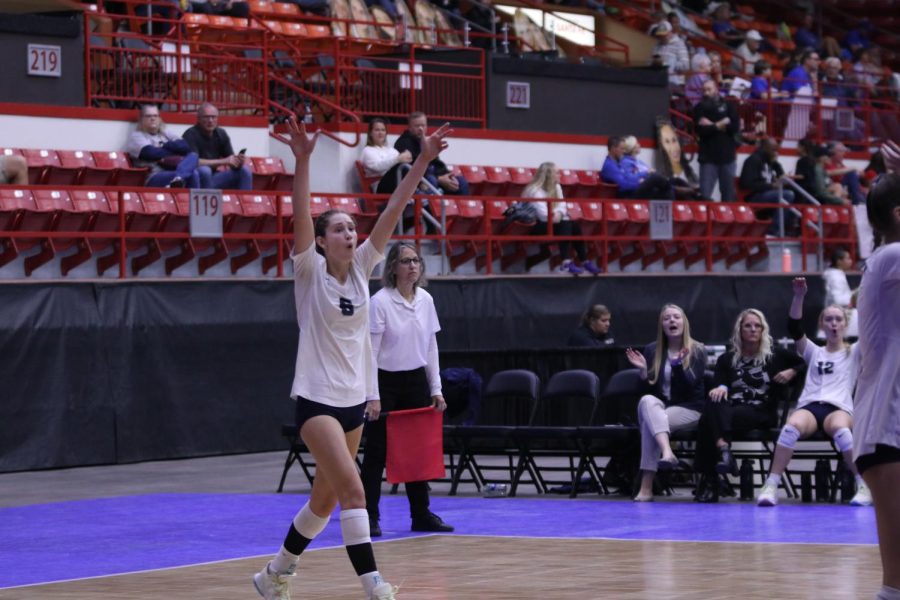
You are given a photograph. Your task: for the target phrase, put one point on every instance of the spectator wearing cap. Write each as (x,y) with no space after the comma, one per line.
(748,53)
(672,52)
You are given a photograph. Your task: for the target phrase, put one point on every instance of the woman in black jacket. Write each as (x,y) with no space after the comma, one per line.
(747,381)
(673,366)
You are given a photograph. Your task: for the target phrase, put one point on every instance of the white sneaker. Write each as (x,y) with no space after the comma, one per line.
(384,591)
(273,586)
(768,496)
(863,496)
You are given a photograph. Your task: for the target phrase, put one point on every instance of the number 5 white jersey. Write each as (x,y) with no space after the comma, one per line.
(830,376)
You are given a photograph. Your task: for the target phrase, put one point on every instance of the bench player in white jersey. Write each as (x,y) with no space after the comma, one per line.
(877,400)
(826,402)
(332,374)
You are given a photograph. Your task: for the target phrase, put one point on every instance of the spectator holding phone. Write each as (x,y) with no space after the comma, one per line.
(220,167)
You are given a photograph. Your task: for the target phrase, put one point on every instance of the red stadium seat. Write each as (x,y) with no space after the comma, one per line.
(123,174)
(682,226)
(171,220)
(519,178)
(588,184)
(101,218)
(136,221)
(64,218)
(266,172)
(38,163)
(568,179)
(469,220)
(641,248)
(366,182)
(617,224)
(496,180)
(508,252)
(752,250)
(364,220)
(287,219)
(722,225)
(74,167)
(477,178)
(18,212)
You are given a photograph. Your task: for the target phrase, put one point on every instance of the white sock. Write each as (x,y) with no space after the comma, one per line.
(370,581)
(774,479)
(284,562)
(888,593)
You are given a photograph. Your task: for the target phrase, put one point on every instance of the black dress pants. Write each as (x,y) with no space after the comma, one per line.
(400,390)
(722,420)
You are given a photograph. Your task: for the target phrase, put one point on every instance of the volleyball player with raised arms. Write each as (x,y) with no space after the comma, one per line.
(332,374)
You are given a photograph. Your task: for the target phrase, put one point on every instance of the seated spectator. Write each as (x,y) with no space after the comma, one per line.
(820,186)
(848,177)
(438,174)
(717,124)
(171,162)
(715,70)
(632,159)
(759,85)
(857,38)
(594,329)
(673,367)
(701,65)
(378,158)
(673,164)
(672,52)
(883,102)
(13,169)
(629,182)
(806,39)
(759,176)
(724,29)
(318,7)
(833,84)
(545,184)
(220,168)
(747,54)
(230,8)
(803,78)
(826,402)
(747,382)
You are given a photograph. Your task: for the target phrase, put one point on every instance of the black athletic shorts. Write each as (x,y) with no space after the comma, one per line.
(349,417)
(820,410)
(883,454)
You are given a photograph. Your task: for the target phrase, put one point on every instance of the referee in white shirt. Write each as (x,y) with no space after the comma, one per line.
(404,325)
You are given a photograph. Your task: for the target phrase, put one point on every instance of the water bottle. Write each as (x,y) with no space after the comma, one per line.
(821,475)
(786,266)
(746,475)
(495,490)
(806,487)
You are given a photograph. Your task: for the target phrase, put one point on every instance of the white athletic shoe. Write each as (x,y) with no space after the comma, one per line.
(768,496)
(273,586)
(863,496)
(384,591)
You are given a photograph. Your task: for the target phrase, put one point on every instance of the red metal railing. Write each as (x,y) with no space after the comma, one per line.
(114,224)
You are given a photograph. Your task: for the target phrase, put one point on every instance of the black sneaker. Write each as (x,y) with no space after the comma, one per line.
(727,463)
(374,528)
(431,522)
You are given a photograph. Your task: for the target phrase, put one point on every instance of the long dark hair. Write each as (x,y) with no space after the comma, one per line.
(883,198)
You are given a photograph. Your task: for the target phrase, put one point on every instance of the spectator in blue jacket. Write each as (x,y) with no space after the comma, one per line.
(632,183)
(171,162)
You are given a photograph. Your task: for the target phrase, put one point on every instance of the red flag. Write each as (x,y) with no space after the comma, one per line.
(415,445)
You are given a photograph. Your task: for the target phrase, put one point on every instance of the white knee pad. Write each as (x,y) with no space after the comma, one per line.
(308,523)
(355,526)
(843,439)
(788,436)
